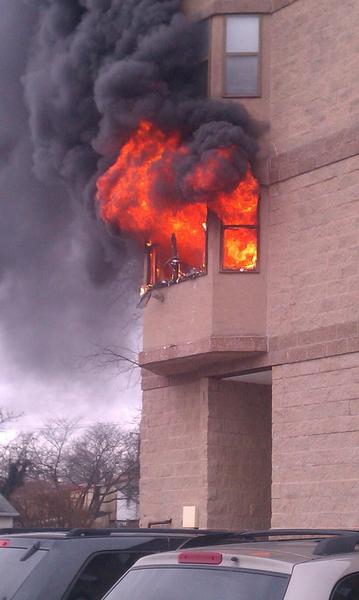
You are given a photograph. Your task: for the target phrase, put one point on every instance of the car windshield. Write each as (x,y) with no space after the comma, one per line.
(188,583)
(14,571)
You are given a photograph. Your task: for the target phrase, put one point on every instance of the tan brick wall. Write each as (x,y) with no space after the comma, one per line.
(207,444)
(313,279)
(316,443)
(218,304)
(239,455)
(174,452)
(314,83)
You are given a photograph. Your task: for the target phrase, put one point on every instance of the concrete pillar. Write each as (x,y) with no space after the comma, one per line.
(207,443)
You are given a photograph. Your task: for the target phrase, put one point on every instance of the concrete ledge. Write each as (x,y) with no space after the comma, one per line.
(279,4)
(323,342)
(227,7)
(190,357)
(308,157)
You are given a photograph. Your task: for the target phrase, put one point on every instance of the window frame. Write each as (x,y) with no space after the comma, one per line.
(340,581)
(150,281)
(258,54)
(256,227)
(205,60)
(93,556)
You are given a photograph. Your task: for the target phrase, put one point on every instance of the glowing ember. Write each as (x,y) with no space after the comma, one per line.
(128,196)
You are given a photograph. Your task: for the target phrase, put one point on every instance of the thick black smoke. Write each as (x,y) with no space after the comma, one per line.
(100,66)
(76,78)
(53,258)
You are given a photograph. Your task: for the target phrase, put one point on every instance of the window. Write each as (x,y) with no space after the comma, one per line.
(347,588)
(187,583)
(180,256)
(14,570)
(192,75)
(239,248)
(201,70)
(242,54)
(100,574)
(240,232)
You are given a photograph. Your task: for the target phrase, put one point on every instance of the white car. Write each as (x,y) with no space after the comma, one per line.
(296,565)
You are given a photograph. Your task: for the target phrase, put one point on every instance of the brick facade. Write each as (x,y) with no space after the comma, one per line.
(314,250)
(314,87)
(174,452)
(203,444)
(239,455)
(313,286)
(316,443)
(207,442)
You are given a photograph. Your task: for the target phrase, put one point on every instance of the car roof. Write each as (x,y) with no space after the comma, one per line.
(90,533)
(277,556)
(267,556)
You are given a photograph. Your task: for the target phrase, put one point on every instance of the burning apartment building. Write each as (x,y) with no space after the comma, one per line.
(250,293)
(228,137)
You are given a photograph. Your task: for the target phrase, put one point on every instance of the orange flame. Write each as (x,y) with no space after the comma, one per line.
(127,196)
(240,249)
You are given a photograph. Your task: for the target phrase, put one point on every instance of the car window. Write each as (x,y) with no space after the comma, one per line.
(14,570)
(100,574)
(174,543)
(347,588)
(188,583)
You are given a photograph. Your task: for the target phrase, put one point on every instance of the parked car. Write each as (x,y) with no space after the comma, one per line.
(297,565)
(79,564)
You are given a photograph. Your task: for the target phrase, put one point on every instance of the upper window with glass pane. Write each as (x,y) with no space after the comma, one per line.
(242,51)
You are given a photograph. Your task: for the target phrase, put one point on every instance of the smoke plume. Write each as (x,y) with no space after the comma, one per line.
(98,67)
(60,294)
(77,77)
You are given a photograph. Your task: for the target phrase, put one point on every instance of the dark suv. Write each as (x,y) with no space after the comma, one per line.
(79,564)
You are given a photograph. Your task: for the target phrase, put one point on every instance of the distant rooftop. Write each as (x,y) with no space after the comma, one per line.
(6,510)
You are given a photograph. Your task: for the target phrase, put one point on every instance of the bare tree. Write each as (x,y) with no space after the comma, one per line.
(49,452)
(104,461)
(14,460)
(117,359)
(7,417)
(15,463)
(61,477)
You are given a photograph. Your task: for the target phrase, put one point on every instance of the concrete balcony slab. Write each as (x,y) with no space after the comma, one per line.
(189,357)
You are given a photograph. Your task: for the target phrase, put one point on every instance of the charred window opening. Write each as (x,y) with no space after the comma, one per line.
(240,242)
(175,260)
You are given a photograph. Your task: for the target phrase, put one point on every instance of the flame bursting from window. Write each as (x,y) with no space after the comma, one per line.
(131,195)
(239,249)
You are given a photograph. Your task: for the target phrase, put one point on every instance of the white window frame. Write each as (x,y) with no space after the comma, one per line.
(258,54)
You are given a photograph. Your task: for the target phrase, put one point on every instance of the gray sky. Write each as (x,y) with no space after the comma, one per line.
(55,310)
